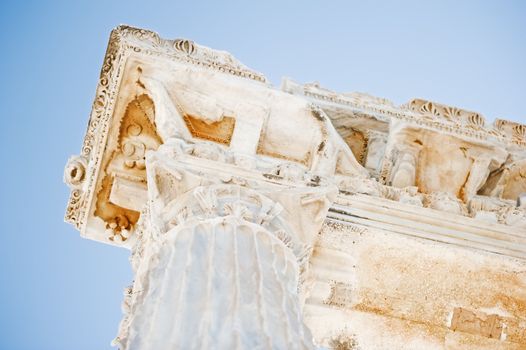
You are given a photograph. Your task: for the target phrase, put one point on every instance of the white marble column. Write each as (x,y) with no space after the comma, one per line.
(218,265)
(220,283)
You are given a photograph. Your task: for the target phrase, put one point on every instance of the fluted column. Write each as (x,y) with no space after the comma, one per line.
(221,283)
(220,254)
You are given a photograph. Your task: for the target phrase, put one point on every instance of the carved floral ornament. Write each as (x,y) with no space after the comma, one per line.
(418,111)
(221,200)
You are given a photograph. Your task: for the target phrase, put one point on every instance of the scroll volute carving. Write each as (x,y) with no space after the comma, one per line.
(136,135)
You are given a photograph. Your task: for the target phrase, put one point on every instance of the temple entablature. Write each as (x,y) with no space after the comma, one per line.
(292,218)
(435,150)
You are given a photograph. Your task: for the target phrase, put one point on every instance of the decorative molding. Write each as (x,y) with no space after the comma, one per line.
(394,217)
(124,41)
(418,112)
(488,209)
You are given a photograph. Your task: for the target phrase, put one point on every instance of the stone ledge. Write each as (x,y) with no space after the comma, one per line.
(429,224)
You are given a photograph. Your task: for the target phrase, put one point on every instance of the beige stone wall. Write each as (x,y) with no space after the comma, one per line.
(375,289)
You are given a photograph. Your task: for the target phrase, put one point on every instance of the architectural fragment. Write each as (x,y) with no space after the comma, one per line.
(300,218)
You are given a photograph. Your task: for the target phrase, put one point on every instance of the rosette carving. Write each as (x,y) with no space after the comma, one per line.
(75,172)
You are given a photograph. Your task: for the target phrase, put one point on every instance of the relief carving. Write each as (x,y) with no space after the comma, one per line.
(406,195)
(404,170)
(512,130)
(478,174)
(136,135)
(516,184)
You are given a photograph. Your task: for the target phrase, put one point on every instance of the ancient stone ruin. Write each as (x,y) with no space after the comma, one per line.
(298,217)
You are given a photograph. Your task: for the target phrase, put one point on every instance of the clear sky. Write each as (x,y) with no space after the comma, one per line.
(58,291)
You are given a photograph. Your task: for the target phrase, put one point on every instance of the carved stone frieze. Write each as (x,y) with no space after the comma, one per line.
(459,117)
(435,147)
(404,172)
(420,112)
(373,143)
(356,185)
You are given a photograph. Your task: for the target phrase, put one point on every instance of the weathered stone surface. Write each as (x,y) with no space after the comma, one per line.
(387,290)
(220,184)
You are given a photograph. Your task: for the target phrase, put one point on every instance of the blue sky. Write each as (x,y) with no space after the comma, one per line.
(58,291)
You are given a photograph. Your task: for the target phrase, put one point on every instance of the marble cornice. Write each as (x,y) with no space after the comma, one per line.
(394,217)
